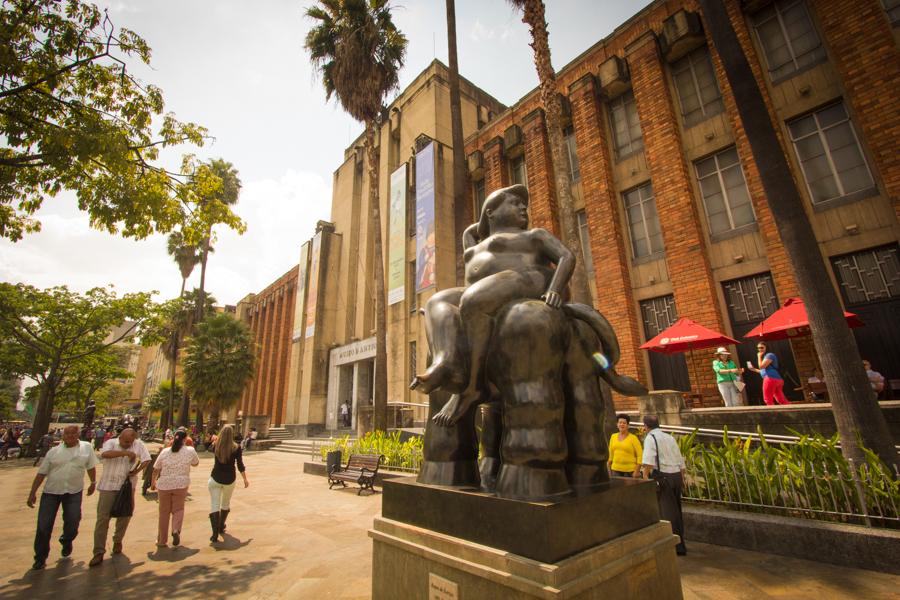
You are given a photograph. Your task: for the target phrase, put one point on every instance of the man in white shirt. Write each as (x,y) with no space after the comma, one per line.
(122,457)
(663,462)
(63,469)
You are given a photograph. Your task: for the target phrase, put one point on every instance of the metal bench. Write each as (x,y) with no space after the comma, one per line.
(360,469)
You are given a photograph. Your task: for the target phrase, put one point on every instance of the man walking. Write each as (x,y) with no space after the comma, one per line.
(63,469)
(122,457)
(663,462)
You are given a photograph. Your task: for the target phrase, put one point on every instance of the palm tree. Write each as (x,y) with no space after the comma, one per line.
(859,418)
(459,154)
(358,52)
(186,257)
(533,16)
(227,194)
(219,361)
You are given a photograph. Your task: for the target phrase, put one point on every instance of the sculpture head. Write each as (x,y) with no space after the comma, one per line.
(504,207)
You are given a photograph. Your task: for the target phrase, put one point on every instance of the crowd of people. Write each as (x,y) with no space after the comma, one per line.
(122,459)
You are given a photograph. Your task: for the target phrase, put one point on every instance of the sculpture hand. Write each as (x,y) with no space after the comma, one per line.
(552,299)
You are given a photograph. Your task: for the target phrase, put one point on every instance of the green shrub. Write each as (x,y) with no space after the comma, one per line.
(404,455)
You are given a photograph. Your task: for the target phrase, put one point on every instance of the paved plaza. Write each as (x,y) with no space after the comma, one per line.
(290,537)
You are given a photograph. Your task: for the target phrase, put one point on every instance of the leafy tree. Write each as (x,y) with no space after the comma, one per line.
(89,376)
(219,361)
(159,400)
(858,417)
(358,52)
(55,332)
(533,16)
(10,392)
(73,117)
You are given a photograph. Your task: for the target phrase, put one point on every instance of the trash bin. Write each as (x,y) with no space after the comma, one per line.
(332,460)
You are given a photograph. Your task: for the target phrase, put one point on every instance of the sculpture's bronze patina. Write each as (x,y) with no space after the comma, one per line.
(508,342)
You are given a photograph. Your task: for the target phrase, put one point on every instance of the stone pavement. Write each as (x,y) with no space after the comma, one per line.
(290,537)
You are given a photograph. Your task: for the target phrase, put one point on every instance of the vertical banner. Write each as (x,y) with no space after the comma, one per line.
(397,236)
(301,293)
(425,247)
(313,297)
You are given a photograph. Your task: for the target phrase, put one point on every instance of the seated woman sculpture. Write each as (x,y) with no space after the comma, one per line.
(505,261)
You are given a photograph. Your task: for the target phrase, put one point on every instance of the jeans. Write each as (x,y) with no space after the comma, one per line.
(730,393)
(101,529)
(49,506)
(219,495)
(171,505)
(669,497)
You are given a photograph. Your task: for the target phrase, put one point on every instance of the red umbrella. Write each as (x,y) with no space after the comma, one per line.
(685,336)
(791,321)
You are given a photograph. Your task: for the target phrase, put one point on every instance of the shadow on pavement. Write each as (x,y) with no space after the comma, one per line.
(202,581)
(230,543)
(172,554)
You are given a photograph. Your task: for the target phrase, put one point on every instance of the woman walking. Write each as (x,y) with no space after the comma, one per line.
(773,384)
(221,481)
(172,477)
(728,377)
(625,450)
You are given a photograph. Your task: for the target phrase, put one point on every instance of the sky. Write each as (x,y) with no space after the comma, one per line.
(239,69)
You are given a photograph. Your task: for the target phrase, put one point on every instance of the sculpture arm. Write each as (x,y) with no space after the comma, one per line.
(470,236)
(557,252)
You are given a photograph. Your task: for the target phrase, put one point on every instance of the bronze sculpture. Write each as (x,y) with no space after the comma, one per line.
(508,341)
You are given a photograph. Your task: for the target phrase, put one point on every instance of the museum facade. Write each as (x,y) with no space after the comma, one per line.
(673,217)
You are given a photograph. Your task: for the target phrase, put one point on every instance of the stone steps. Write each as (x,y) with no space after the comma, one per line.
(304,447)
(279,433)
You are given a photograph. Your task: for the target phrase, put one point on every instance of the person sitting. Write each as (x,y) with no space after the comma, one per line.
(876,379)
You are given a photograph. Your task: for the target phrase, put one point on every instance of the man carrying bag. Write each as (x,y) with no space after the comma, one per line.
(663,462)
(122,458)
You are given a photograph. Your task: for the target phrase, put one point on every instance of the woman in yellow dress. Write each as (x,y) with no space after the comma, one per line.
(625,450)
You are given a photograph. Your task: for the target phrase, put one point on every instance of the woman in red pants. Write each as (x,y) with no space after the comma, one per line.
(773,384)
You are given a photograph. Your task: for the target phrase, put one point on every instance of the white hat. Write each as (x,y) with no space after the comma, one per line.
(722,350)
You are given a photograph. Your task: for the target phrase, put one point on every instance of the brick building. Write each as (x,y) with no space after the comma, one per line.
(669,199)
(270,316)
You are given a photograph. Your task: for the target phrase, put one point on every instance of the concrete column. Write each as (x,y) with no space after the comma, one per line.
(607,237)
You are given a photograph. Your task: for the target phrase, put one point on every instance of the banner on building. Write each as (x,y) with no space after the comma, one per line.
(397,238)
(313,294)
(425,245)
(301,292)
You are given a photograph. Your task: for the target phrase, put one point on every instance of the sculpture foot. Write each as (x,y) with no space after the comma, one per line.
(435,377)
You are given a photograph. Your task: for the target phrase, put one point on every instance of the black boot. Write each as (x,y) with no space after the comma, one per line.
(223,514)
(214,523)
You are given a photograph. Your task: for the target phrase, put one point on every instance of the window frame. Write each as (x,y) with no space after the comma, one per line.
(512,169)
(843,196)
(476,205)
(733,229)
(652,254)
(776,6)
(584,238)
(571,144)
(632,142)
(704,111)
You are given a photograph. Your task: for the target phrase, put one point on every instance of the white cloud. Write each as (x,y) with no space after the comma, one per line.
(280,215)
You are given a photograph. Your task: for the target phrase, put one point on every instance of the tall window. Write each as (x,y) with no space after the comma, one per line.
(829,153)
(724,191)
(585,238)
(517,173)
(697,88)
(643,222)
(477,196)
(412,360)
(788,38)
(626,128)
(412,299)
(572,153)
(870,275)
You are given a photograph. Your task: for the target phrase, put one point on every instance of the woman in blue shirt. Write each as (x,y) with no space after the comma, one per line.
(773,384)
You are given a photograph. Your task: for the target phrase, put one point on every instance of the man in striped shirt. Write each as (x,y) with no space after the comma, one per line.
(121,457)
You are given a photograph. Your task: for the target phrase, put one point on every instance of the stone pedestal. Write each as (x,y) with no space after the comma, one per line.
(438,542)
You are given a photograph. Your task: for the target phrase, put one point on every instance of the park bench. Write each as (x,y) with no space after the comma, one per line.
(360,469)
